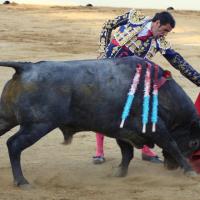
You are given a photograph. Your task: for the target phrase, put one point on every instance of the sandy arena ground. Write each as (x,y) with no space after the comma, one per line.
(59,172)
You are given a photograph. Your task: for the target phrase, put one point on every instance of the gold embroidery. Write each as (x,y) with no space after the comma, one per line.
(163,45)
(141,49)
(152,50)
(127,35)
(115,50)
(146,43)
(132,47)
(136,17)
(138,43)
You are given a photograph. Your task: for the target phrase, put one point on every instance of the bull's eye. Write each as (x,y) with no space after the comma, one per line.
(194,143)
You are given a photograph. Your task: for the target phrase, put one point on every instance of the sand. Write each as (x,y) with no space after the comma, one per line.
(60,172)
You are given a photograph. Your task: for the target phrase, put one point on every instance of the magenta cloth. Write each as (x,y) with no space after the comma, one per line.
(99,144)
(195,161)
(197,104)
(195,158)
(147,151)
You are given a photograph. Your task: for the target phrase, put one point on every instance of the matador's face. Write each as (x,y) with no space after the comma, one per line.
(159,30)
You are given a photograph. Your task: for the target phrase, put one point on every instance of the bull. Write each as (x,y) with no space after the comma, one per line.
(90,95)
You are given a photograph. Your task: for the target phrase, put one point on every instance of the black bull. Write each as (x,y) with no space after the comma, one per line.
(89,96)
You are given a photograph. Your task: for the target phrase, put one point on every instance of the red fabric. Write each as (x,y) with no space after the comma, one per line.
(99,144)
(195,158)
(145,37)
(195,161)
(147,151)
(197,104)
(167,74)
(117,44)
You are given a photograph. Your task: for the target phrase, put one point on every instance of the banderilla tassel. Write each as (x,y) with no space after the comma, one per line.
(154,116)
(131,94)
(147,85)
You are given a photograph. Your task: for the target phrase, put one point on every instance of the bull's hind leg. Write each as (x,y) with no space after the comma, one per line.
(127,155)
(5,125)
(25,137)
(68,133)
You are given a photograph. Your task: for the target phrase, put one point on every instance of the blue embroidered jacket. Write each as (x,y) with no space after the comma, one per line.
(128,27)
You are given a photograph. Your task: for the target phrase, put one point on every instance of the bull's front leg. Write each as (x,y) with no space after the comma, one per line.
(173,149)
(163,139)
(68,134)
(169,162)
(127,155)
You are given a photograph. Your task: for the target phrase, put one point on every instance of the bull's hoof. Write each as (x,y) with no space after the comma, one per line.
(67,140)
(191,174)
(120,172)
(170,165)
(25,187)
(23,183)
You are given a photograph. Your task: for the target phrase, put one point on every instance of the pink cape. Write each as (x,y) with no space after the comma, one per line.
(195,158)
(197,104)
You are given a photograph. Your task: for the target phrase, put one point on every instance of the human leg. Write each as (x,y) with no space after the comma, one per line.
(99,156)
(150,155)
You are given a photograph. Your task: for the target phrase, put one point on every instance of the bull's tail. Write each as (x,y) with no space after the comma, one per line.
(18,66)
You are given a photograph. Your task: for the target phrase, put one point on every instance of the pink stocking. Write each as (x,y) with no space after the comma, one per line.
(147,151)
(99,144)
